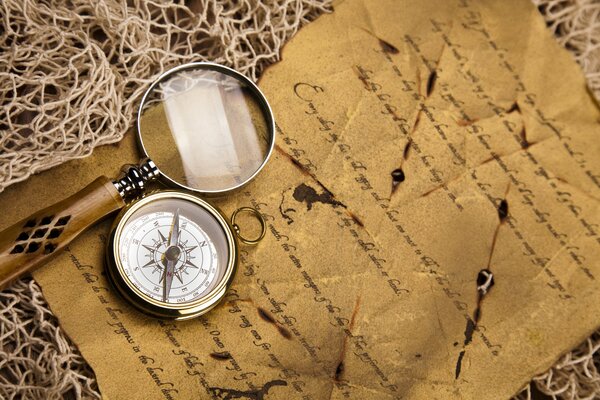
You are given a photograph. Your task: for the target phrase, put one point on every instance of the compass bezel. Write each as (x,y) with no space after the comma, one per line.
(143,302)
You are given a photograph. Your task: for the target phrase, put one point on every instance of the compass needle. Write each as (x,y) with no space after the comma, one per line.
(171,255)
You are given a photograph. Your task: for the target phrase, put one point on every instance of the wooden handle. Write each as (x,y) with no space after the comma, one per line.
(34,240)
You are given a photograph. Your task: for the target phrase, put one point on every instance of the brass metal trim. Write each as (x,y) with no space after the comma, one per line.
(237,230)
(158,308)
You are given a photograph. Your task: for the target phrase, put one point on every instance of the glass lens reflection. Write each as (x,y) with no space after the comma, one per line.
(205,129)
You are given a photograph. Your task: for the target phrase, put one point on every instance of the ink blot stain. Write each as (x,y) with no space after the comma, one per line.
(459,364)
(503,210)
(524,143)
(284,332)
(470,328)
(257,394)
(407,149)
(356,219)
(398,175)
(431,82)
(221,356)
(306,194)
(266,316)
(485,281)
(514,107)
(339,371)
(387,47)
(397,178)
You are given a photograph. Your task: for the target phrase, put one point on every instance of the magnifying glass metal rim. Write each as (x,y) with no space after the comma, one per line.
(270,120)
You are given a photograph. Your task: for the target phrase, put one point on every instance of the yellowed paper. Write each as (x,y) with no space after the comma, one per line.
(366,285)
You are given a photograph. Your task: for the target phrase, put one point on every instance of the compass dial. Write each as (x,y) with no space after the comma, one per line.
(172,251)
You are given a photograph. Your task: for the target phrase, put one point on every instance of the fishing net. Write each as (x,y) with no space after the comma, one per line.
(71,75)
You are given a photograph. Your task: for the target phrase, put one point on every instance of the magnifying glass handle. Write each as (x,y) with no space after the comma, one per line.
(32,241)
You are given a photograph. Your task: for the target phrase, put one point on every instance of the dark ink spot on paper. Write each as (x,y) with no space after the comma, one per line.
(339,371)
(523,135)
(398,175)
(502,210)
(308,195)
(266,316)
(284,332)
(387,47)
(477,314)
(431,82)
(417,120)
(285,212)
(469,329)
(257,394)
(459,364)
(407,148)
(514,108)
(297,164)
(221,356)
(356,219)
(397,178)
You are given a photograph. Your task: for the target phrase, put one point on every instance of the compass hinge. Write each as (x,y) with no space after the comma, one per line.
(133,178)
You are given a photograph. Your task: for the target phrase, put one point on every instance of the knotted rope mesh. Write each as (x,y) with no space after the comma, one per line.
(72,72)
(71,75)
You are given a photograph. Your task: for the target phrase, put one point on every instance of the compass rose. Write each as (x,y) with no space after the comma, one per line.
(160,251)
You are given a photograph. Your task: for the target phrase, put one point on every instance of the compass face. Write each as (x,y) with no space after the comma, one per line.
(173,251)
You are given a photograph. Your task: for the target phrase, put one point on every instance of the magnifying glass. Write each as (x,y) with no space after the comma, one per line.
(202,129)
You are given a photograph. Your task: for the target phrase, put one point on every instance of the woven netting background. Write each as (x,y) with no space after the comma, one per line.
(71,74)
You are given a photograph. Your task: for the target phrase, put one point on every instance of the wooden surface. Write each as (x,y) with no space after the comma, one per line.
(35,239)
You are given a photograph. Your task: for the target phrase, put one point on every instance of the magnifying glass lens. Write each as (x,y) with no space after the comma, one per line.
(205,127)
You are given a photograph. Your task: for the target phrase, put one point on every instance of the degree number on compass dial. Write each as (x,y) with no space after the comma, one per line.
(172,251)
